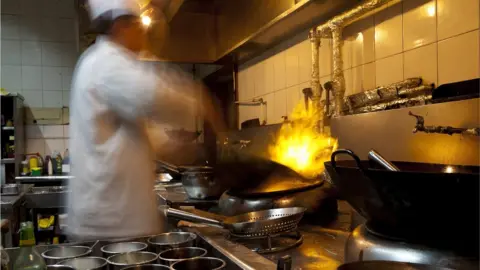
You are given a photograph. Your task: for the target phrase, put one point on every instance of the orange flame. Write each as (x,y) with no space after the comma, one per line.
(299,146)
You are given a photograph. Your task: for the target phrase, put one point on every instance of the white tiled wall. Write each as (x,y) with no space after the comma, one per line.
(38,54)
(39,50)
(435,39)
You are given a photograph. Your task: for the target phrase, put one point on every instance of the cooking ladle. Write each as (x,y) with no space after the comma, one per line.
(383,162)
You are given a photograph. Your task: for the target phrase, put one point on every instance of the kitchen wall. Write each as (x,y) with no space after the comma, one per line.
(39,52)
(435,39)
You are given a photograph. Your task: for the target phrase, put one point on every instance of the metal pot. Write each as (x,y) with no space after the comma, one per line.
(171,256)
(147,267)
(122,247)
(123,260)
(171,240)
(61,253)
(311,198)
(86,263)
(204,263)
(201,183)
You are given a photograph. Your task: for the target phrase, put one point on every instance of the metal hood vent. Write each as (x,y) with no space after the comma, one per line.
(226,31)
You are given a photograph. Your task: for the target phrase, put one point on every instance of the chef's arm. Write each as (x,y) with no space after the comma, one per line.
(162,95)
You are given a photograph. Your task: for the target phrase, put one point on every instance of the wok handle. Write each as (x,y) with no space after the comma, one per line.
(380,160)
(172,212)
(347,152)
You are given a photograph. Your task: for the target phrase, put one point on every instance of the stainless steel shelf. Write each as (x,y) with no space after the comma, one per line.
(8,160)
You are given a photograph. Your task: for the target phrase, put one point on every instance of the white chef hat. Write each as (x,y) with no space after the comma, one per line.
(115,8)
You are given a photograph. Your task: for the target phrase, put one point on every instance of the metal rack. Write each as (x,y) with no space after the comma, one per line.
(13,108)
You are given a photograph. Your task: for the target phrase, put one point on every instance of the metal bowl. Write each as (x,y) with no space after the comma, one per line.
(171,240)
(59,267)
(86,263)
(57,254)
(122,247)
(147,267)
(168,257)
(204,263)
(120,261)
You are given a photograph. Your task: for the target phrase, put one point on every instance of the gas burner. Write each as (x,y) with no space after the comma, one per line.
(365,244)
(271,243)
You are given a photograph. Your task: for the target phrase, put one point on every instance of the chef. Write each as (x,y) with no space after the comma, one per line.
(113,97)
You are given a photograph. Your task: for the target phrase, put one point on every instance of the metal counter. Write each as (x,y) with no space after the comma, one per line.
(322,247)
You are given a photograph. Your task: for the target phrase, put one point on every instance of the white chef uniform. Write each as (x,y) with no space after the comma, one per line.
(112,161)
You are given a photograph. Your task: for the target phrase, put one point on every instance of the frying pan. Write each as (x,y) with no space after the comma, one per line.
(421,202)
(387,265)
(260,223)
(253,176)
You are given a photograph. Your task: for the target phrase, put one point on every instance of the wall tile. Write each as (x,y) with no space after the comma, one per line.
(388,31)
(50,29)
(67,74)
(52,99)
(31,77)
(67,30)
(369,80)
(422,62)
(34,131)
(291,66)
(259,79)
(279,69)
(269,75)
(304,61)
(389,70)
(363,47)
(457,17)
(52,78)
(10,26)
(33,98)
(11,77)
(31,53)
(36,146)
(31,28)
(30,7)
(325,57)
(54,145)
(419,23)
(50,8)
(280,106)
(294,96)
(11,53)
(347,53)
(458,58)
(52,53)
(250,83)
(53,131)
(66,131)
(66,98)
(66,8)
(270,99)
(10,7)
(242,84)
(348,75)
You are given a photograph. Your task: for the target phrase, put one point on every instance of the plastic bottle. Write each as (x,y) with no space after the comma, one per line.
(28,257)
(48,165)
(66,162)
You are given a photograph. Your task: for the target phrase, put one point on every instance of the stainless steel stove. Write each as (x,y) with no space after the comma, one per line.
(364,244)
(271,243)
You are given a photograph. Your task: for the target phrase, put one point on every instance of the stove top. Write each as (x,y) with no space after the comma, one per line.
(364,244)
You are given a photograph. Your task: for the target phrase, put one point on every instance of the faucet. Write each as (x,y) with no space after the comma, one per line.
(420,126)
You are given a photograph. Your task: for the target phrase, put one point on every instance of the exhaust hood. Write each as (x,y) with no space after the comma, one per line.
(232,31)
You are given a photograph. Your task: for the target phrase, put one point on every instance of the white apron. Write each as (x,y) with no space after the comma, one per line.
(112,161)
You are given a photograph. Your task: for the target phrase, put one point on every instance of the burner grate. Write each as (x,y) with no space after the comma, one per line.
(270,243)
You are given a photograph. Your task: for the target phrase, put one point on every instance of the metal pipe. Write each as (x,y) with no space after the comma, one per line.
(335,27)
(420,126)
(254,102)
(338,77)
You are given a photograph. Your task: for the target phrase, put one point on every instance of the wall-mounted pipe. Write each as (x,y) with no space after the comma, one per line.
(256,102)
(334,27)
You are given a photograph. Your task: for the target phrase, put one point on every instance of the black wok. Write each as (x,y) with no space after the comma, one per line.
(420,202)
